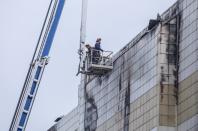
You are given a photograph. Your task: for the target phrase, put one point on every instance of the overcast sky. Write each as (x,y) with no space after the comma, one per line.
(115,21)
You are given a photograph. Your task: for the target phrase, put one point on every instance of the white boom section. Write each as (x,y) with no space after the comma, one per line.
(82,51)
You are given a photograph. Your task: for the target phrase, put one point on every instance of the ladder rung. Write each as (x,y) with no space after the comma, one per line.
(20,127)
(25,111)
(35,80)
(41,65)
(30,95)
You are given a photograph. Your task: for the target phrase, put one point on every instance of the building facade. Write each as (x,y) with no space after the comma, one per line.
(153,85)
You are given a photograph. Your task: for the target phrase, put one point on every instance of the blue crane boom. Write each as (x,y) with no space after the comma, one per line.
(37,66)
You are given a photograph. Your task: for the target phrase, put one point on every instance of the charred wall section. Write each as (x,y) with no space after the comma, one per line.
(167,60)
(91,114)
(188,66)
(153,85)
(141,91)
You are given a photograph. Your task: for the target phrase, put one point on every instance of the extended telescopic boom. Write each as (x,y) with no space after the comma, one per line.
(37,66)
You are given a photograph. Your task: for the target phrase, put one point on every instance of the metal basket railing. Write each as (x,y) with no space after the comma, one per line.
(99,58)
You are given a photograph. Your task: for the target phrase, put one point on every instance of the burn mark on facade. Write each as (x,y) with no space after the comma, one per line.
(99,80)
(121,72)
(168,69)
(91,115)
(120,83)
(91,111)
(127,105)
(124,91)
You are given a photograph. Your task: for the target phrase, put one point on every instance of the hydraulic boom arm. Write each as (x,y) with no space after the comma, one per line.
(37,66)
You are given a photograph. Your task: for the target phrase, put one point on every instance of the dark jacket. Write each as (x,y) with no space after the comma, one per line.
(97,46)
